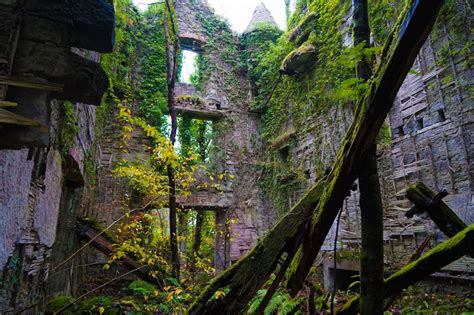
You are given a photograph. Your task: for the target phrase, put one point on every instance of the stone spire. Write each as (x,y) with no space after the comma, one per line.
(261,14)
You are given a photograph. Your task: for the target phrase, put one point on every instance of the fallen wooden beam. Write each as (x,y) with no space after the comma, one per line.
(8,117)
(104,243)
(398,56)
(7,104)
(438,257)
(25,83)
(244,278)
(441,214)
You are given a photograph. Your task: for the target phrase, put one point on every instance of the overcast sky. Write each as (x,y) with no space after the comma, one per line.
(239,12)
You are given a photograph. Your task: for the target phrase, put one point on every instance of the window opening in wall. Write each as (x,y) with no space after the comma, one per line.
(441,115)
(189,68)
(419,123)
(284,153)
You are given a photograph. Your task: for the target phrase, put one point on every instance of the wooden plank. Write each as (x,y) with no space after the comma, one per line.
(442,215)
(8,117)
(7,104)
(440,256)
(104,245)
(25,83)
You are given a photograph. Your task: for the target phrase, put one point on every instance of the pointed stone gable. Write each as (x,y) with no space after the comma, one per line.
(261,14)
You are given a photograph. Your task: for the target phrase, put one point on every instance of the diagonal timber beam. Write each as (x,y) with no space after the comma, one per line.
(442,255)
(401,51)
(441,214)
(311,218)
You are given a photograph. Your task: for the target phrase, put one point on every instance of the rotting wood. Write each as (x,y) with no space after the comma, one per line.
(8,117)
(103,243)
(8,104)
(25,83)
(441,214)
(419,251)
(401,51)
(241,280)
(438,257)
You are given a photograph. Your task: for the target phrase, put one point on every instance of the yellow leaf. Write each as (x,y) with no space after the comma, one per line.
(169,297)
(219,294)
(101,310)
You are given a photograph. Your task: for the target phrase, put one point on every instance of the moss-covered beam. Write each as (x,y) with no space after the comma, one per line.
(441,214)
(438,257)
(93,232)
(322,201)
(398,56)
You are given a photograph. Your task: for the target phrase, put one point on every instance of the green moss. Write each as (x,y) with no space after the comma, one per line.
(283,139)
(99,227)
(58,302)
(92,305)
(300,60)
(69,128)
(303,27)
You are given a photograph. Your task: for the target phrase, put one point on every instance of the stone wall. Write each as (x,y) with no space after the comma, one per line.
(431,132)
(43,164)
(236,138)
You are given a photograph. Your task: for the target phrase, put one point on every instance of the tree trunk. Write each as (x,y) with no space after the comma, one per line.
(435,259)
(171,69)
(371,260)
(244,278)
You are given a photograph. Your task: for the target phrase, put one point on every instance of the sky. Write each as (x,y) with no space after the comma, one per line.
(238,12)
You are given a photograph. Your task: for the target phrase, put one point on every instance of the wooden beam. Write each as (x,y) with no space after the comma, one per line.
(311,218)
(398,56)
(90,234)
(438,257)
(26,83)
(7,104)
(441,214)
(8,117)
(199,113)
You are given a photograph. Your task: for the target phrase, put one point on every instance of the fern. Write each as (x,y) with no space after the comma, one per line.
(290,306)
(275,302)
(257,300)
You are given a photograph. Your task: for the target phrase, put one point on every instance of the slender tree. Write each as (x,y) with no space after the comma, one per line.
(371,264)
(172,51)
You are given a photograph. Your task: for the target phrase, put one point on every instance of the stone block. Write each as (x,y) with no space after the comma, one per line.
(91,23)
(84,81)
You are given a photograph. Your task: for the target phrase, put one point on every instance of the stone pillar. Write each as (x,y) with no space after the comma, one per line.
(222,241)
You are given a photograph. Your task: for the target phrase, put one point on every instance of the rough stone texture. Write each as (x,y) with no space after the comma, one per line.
(84,80)
(15,167)
(38,187)
(90,22)
(47,207)
(432,127)
(260,15)
(38,48)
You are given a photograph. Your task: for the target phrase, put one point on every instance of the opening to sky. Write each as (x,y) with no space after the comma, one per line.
(189,66)
(238,12)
